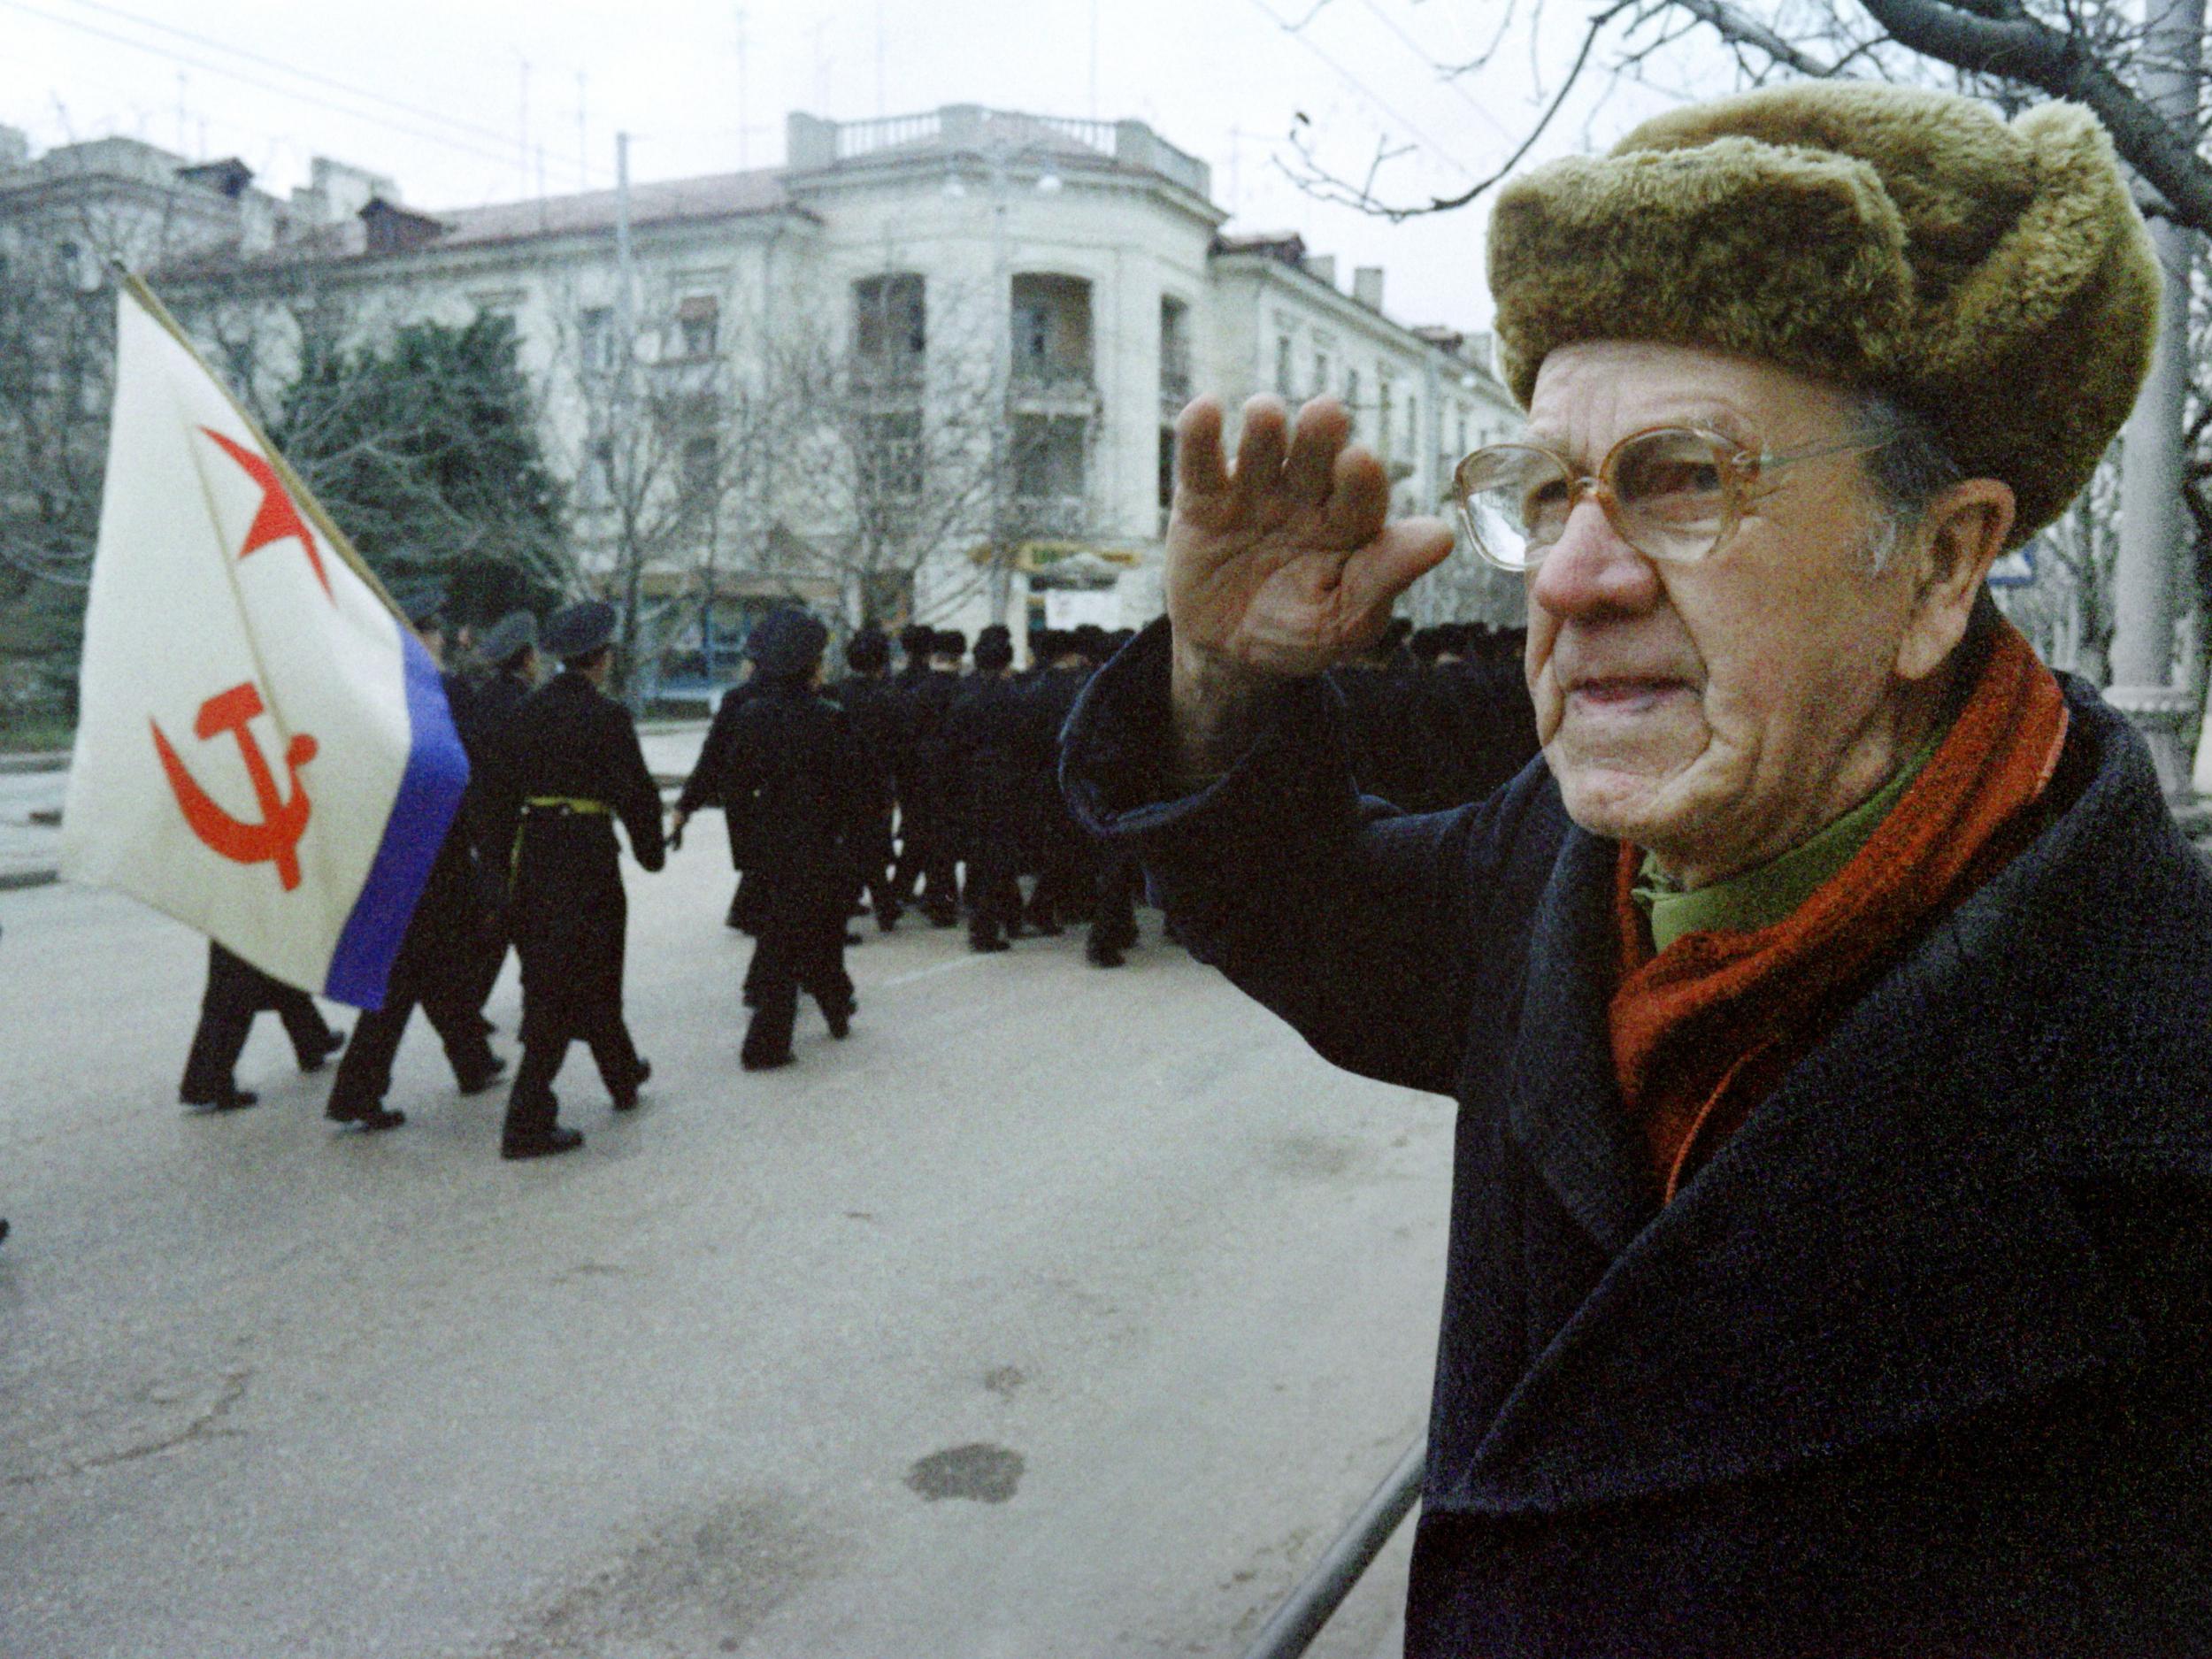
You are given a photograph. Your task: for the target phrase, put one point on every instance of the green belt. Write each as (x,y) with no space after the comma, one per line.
(561,805)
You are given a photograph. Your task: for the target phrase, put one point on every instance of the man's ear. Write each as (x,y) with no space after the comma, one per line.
(1958,538)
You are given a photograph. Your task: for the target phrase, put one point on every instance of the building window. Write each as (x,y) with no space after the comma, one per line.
(699,475)
(890,325)
(595,339)
(1048,457)
(1167,468)
(1413,423)
(1385,400)
(1351,395)
(699,325)
(1052,329)
(598,480)
(1282,364)
(1175,377)
(891,463)
(1320,372)
(1462,432)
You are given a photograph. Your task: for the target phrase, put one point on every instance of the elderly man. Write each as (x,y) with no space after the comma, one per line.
(1830,1252)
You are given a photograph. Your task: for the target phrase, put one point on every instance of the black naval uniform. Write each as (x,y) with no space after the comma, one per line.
(986,749)
(744,905)
(439,966)
(1066,858)
(801,798)
(572,768)
(237,991)
(928,849)
(876,712)
(490,730)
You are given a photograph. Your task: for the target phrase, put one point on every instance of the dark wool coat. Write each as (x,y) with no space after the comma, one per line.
(569,911)
(983,745)
(1919,1363)
(797,785)
(714,763)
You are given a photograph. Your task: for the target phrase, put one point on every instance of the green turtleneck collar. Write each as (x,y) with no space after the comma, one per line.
(1763,896)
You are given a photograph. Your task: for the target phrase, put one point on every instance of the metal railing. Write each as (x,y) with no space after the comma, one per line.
(1291,1629)
(968,127)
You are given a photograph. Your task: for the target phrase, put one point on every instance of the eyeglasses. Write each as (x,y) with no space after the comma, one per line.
(1672,493)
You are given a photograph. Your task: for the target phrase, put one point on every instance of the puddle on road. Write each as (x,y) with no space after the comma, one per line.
(981,1471)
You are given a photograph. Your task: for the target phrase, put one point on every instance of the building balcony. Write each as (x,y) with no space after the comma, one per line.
(1031,517)
(999,136)
(899,379)
(1053,388)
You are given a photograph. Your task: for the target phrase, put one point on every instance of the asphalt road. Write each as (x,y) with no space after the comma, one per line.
(1057,1312)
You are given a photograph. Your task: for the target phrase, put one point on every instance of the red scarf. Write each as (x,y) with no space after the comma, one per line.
(1705,1029)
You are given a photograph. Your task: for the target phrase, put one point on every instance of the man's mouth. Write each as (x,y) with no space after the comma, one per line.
(1623,693)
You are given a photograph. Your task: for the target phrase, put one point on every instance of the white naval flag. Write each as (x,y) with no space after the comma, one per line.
(264,748)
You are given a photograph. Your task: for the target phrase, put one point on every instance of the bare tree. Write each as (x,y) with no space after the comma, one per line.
(922,457)
(663,440)
(2091,52)
(2105,54)
(59,250)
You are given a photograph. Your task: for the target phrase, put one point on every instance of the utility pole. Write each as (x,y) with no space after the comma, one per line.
(2155,531)
(999,579)
(744,158)
(522,126)
(625,414)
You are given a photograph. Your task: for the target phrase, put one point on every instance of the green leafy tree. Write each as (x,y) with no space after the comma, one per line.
(425,449)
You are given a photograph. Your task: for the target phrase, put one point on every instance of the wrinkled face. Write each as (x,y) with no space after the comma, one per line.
(1716,713)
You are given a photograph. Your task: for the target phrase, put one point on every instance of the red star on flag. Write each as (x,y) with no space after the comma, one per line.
(278,519)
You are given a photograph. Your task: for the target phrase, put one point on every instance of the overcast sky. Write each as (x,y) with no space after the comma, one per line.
(458,100)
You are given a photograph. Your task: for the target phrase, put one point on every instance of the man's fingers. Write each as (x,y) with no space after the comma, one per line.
(1323,426)
(1359,499)
(1390,563)
(1200,468)
(1260,450)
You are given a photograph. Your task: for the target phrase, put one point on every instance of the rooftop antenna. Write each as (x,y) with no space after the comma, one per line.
(1237,135)
(821,67)
(522,132)
(744,119)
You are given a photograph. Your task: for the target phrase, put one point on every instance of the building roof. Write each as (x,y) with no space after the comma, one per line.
(672,201)
(372,232)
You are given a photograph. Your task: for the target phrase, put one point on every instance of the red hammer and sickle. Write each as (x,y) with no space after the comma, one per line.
(275,839)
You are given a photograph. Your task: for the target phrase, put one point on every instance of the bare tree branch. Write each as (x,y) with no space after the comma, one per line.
(2021,48)
(1320,182)
(1733,24)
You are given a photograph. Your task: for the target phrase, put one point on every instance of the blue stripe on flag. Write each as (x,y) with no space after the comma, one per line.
(429,792)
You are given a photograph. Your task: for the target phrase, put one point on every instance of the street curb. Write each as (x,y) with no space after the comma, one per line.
(41,760)
(11,880)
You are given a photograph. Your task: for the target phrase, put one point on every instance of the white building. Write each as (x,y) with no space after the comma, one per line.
(929,367)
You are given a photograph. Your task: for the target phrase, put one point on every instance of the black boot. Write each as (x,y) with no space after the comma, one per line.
(550,1143)
(229,1098)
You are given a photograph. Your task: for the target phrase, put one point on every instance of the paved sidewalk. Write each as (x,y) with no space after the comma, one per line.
(30,826)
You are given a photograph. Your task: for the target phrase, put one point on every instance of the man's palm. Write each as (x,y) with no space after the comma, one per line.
(1285,565)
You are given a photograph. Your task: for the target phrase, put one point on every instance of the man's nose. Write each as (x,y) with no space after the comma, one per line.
(1590,571)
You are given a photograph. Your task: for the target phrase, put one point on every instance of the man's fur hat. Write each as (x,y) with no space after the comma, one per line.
(1994,279)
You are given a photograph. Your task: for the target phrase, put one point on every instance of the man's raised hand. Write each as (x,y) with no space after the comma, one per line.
(1282,566)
